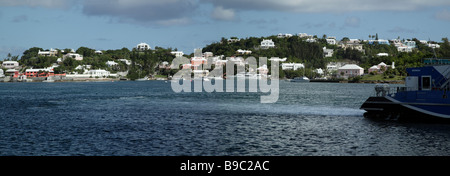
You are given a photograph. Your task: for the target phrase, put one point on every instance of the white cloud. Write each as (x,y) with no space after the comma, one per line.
(37,3)
(220,13)
(142,11)
(443,15)
(328,5)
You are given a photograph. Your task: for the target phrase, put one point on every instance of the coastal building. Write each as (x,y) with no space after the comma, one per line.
(311,40)
(143,47)
(333,66)
(292,66)
(197,61)
(75,56)
(39,72)
(2,73)
(233,40)
(404,49)
(379,41)
(410,44)
(327,52)
(10,64)
(349,71)
(177,53)
(304,35)
(208,54)
(52,52)
(99,73)
(263,70)
(354,46)
(99,52)
(381,68)
(319,71)
(266,44)
(12,72)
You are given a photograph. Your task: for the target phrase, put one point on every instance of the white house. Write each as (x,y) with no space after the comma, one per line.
(327,52)
(75,56)
(52,52)
(292,66)
(2,73)
(431,45)
(128,62)
(143,47)
(240,51)
(266,44)
(280,35)
(311,40)
(177,53)
(277,59)
(99,52)
(331,41)
(381,67)
(10,64)
(350,70)
(99,73)
(382,54)
(111,63)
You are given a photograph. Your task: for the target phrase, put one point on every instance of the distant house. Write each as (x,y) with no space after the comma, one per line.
(143,47)
(75,56)
(354,46)
(431,45)
(266,44)
(240,51)
(382,54)
(128,62)
(177,53)
(111,63)
(280,35)
(327,52)
(2,73)
(10,64)
(404,49)
(381,67)
(331,41)
(99,73)
(349,71)
(233,40)
(39,72)
(52,52)
(99,52)
(278,59)
(380,42)
(292,66)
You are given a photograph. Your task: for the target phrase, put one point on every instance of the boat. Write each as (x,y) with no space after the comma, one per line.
(48,79)
(424,95)
(300,79)
(142,79)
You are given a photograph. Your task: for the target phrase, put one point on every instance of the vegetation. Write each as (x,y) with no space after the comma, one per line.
(295,49)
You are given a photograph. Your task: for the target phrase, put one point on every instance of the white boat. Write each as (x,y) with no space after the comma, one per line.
(48,79)
(300,79)
(142,79)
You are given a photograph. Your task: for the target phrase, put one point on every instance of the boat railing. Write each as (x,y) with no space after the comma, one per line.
(436,61)
(382,90)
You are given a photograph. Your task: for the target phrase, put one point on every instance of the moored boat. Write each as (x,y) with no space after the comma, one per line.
(424,95)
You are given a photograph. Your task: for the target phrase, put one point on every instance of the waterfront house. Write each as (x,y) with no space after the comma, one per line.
(333,66)
(349,71)
(10,64)
(143,47)
(99,73)
(197,61)
(2,73)
(266,44)
(12,72)
(381,67)
(39,72)
(292,66)
(263,70)
(52,52)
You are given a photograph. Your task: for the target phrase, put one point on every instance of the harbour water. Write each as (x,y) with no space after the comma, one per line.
(148,118)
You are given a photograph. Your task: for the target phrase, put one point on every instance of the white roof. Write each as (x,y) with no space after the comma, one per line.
(10,62)
(351,66)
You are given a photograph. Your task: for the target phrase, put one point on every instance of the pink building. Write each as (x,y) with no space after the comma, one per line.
(349,71)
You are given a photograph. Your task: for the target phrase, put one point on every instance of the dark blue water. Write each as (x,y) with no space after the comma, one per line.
(148,118)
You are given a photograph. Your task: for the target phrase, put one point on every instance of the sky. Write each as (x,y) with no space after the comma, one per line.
(190,24)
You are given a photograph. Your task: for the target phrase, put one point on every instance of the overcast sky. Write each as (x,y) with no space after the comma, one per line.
(189,24)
